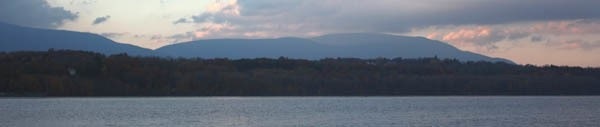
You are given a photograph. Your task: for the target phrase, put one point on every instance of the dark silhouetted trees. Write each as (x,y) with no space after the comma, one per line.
(80,73)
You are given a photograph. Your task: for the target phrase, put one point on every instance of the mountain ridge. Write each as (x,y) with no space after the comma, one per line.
(19,38)
(351,45)
(354,45)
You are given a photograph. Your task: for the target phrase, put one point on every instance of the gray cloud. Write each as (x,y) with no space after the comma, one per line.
(83,2)
(113,35)
(536,38)
(33,13)
(181,20)
(100,20)
(187,36)
(204,17)
(390,15)
(507,11)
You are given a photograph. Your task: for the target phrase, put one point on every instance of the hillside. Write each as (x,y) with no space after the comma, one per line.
(17,38)
(356,45)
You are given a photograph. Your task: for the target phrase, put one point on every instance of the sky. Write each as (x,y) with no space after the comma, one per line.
(539,32)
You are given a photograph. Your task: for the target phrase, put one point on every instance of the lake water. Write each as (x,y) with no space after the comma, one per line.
(486,111)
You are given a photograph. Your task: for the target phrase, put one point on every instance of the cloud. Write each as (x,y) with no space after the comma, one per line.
(536,38)
(275,17)
(181,20)
(113,35)
(567,27)
(487,36)
(34,13)
(101,20)
(187,36)
(509,11)
(574,44)
(83,2)
(478,36)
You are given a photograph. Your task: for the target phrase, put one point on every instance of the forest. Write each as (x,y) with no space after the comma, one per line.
(82,73)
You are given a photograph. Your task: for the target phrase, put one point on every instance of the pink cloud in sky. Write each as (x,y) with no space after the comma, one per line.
(574,44)
(479,37)
(567,27)
(468,35)
(485,37)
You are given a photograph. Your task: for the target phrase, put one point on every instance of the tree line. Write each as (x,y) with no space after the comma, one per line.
(82,73)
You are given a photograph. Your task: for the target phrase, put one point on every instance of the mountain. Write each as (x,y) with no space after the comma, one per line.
(17,38)
(371,45)
(355,45)
(248,48)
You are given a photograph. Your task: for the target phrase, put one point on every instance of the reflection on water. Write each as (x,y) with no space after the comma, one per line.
(302,111)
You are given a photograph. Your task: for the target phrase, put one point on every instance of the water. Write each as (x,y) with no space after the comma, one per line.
(303,111)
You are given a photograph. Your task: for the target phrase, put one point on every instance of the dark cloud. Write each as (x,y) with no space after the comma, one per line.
(181,20)
(270,7)
(463,12)
(391,15)
(506,11)
(33,13)
(100,20)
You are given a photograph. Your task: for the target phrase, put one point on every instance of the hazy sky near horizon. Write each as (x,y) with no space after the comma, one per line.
(560,32)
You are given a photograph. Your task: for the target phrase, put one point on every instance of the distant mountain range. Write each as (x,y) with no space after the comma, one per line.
(17,38)
(355,45)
